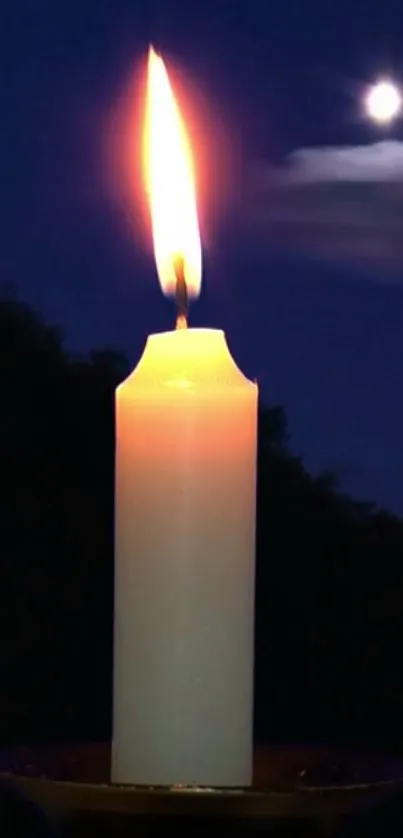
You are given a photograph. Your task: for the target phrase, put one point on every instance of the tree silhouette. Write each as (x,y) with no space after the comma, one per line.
(329,593)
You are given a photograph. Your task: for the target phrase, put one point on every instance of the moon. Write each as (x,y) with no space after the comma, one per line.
(383,102)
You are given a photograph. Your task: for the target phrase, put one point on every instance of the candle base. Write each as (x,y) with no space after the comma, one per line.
(85,798)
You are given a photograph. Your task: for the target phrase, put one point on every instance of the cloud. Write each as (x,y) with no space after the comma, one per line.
(343,204)
(382,162)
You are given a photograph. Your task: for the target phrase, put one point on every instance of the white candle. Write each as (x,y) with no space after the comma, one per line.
(186,422)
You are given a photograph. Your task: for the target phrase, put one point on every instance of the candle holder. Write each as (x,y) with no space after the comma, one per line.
(305,790)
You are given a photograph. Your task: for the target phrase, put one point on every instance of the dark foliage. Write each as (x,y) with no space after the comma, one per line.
(329,629)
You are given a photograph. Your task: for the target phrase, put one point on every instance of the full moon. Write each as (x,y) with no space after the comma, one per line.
(383,102)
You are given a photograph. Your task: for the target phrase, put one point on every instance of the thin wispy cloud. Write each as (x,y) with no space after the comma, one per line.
(339,204)
(382,162)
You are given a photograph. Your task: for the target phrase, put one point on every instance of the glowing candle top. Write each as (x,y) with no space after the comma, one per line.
(170,187)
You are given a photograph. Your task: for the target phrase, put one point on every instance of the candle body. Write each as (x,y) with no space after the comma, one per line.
(185,500)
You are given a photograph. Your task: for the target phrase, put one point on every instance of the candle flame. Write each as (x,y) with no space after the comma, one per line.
(170,184)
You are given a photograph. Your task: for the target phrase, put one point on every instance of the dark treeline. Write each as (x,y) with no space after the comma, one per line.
(329,629)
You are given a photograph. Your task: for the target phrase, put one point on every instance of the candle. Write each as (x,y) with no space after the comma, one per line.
(186,423)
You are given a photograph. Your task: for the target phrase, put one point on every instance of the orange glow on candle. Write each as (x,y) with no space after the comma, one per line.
(170,184)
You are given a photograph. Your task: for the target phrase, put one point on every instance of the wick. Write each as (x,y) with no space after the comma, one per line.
(181,294)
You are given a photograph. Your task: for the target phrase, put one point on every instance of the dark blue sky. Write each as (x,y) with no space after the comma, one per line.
(325,341)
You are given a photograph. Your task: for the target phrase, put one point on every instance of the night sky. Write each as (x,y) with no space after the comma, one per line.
(259,81)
